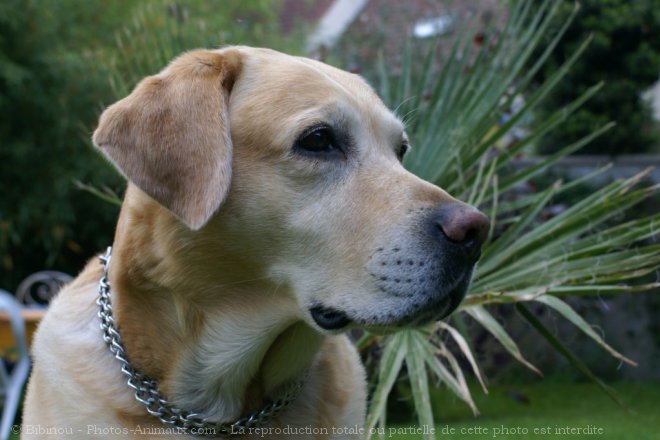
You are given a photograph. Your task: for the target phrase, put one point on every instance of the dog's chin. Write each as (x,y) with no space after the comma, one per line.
(334,320)
(432,312)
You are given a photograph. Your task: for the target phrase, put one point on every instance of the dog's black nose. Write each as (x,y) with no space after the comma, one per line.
(463,225)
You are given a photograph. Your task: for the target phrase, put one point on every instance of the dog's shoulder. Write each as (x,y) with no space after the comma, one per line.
(73,310)
(69,337)
(71,359)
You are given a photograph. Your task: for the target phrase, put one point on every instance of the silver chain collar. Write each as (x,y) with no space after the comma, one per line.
(147,392)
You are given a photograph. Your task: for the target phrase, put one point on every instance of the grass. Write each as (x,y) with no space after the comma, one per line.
(549,403)
(546,407)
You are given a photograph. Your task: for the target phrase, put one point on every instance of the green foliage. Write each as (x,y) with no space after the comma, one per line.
(456,133)
(625,55)
(46,98)
(161,30)
(60,63)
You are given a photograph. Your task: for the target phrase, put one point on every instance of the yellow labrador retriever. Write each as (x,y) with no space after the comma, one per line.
(267,212)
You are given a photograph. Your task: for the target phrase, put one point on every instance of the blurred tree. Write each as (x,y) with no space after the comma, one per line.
(161,30)
(60,62)
(46,98)
(625,54)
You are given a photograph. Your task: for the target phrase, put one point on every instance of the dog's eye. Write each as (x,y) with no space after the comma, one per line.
(317,141)
(403,149)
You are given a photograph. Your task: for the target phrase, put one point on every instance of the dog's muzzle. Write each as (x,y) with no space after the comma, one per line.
(422,276)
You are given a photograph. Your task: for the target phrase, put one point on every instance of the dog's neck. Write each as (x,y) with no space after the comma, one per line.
(243,358)
(221,346)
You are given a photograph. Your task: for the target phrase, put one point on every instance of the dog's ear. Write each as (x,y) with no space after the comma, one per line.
(171,138)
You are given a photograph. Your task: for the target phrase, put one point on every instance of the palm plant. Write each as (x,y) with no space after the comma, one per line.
(456,137)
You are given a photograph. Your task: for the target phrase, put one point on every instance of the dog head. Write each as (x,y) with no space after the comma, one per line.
(289,170)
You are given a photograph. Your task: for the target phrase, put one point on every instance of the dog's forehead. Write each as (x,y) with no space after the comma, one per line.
(294,84)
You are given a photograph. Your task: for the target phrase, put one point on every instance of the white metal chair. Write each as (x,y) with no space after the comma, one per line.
(11,383)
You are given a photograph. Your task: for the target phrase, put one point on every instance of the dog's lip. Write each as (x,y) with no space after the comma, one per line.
(329,318)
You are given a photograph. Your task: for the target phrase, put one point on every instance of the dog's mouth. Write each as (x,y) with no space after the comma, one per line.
(328,318)
(417,315)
